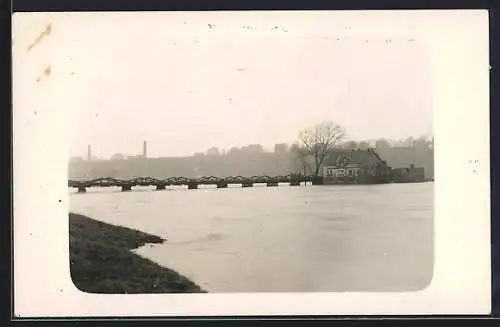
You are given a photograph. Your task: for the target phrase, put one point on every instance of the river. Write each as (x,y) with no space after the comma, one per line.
(281,239)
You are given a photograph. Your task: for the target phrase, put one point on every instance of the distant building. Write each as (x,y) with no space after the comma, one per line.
(382,144)
(348,166)
(138,156)
(233,151)
(214,151)
(403,157)
(117,156)
(253,148)
(409,142)
(281,148)
(411,174)
(420,144)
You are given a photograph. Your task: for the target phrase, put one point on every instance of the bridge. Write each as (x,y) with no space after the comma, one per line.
(192,183)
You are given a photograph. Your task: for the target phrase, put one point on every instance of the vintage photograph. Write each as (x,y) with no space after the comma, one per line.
(251,163)
(263,161)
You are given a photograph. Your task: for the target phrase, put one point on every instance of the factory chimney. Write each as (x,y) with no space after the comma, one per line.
(89,152)
(145,149)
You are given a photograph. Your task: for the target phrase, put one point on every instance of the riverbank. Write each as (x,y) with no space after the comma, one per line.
(102,261)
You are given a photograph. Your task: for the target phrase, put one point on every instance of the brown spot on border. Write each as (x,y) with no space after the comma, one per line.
(44,33)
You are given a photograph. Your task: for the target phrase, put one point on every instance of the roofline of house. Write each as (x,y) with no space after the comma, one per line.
(348,166)
(376,154)
(364,159)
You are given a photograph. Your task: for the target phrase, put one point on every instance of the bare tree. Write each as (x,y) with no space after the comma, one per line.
(320,140)
(301,155)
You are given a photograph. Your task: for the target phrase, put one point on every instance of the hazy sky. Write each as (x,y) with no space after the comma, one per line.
(185,86)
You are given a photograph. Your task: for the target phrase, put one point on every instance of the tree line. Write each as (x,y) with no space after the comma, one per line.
(315,143)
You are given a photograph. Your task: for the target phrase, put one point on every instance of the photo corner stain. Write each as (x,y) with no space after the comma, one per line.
(46,32)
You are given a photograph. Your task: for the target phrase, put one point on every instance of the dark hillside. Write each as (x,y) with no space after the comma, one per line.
(271,164)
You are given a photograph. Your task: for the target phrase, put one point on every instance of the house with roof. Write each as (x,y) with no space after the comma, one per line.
(355,166)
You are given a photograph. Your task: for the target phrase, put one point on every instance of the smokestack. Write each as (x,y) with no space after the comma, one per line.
(145,149)
(89,152)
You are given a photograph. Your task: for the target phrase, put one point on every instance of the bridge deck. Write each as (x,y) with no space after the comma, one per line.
(190,182)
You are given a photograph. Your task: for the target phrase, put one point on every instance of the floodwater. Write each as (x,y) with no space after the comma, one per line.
(281,239)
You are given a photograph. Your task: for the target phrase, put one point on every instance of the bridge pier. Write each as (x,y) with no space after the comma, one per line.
(221,185)
(194,183)
(126,187)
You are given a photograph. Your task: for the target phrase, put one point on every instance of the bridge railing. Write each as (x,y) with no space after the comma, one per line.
(206,180)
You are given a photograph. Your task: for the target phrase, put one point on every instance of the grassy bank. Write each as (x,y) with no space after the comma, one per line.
(101,261)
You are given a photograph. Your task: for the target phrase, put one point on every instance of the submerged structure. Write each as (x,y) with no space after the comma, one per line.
(410,174)
(355,166)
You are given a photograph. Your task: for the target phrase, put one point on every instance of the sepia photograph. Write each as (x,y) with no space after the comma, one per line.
(219,153)
(250,163)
